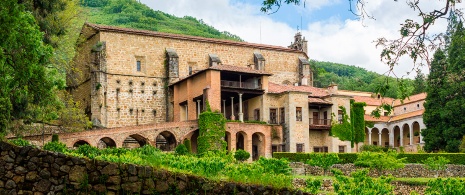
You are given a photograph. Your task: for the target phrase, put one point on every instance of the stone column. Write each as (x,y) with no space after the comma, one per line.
(369,137)
(411,134)
(379,138)
(241,115)
(187,113)
(198,109)
(421,137)
(232,109)
(391,138)
(224,108)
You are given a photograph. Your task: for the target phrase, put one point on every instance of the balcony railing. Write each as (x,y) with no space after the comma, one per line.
(237,84)
(316,121)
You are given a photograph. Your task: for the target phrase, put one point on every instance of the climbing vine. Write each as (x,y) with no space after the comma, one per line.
(350,129)
(211,131)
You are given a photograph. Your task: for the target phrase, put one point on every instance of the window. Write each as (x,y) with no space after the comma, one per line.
(298,113)
(339,116)
(300,147)
(405,109)
(273,118)
(256,114)
(139,66)
(342,149)
(320,149)
(386,144)
(282,116)
(418,105)
(386,113)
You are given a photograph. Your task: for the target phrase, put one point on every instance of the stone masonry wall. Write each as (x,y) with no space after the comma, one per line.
(28,170)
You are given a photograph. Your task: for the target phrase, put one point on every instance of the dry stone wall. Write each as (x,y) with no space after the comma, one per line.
(28,170)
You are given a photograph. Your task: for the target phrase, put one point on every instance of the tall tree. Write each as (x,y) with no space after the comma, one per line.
(434,104)
(24,79)
(419,83)
(454,92)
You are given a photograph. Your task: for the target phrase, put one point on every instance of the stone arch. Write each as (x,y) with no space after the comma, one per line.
(375,137)
(106,142)
(396,136)
(406,134)
(241,140)
(367,133)
(166,141)
(417,131)
(227,138)
(192,136)
(385,137)
(80,143)
(135,141)
(258,145)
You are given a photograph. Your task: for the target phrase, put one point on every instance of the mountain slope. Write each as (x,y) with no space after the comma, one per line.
(132,14)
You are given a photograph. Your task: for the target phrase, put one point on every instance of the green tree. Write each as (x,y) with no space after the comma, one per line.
(419,83)
(324,160)
(181,149)
(434,104)
(351,129)
(25,82)
(379,161)
(241,155)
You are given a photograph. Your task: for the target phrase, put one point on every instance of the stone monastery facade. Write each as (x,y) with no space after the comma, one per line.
(129,77)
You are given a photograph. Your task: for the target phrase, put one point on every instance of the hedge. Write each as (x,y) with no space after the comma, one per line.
(454,158)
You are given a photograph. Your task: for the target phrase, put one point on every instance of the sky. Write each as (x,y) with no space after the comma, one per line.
(334,34)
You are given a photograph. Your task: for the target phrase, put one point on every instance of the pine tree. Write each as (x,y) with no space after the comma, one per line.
(432,117)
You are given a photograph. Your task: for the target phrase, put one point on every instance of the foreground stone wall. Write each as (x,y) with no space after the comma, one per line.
(410,170)
(28,170)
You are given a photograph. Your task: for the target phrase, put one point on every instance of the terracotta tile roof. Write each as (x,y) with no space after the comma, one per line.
(374,119)
(189,38)
(319,101)
(410,99)
(240,69)
(408,115)
(373,101)
(315,92)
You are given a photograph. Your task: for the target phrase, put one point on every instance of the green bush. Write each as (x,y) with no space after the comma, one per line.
(88,151)
(445,186)
(56,147)
(304,157)
(347,157)
(323,160)
(187,143)
(373,148)
(360,183)
(313,185)
(181,149)
(55,138)
(19,142)
(273,165)
(379,161)
(241,155)
(437,164)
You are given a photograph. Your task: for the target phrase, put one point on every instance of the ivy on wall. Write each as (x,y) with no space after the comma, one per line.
(212,130)
(352,129)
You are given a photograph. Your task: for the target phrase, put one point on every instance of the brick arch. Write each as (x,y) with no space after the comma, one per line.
(138,137)
(258,145)
(241,140)
(166,140)
(107,141)
(80,142)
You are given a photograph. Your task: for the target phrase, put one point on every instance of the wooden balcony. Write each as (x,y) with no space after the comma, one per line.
(315,123)
(240,85)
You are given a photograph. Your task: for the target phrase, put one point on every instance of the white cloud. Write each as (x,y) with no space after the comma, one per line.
(347,42)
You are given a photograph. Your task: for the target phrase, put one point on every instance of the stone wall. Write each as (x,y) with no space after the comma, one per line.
(28,170)
(410,170)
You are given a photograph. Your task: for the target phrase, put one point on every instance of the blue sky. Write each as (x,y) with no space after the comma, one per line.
(334,34)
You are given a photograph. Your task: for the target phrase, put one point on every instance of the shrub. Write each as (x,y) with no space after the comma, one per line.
(19,142)
(445,186)
(373,148)
(313,185)
(187,143)
(56,147)
(323,160)
(181,149)
(55,138)
(304,157)
(347,157)
(360,183)
(437,164)
(454,158)
(273,165)
(241,155)
(379,161)
(88,151)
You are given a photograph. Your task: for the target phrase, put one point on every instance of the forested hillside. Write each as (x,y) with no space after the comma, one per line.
(132,14)
(358,79)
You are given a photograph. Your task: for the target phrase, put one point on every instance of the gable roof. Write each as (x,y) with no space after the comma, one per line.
(373,101)
(105,28)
